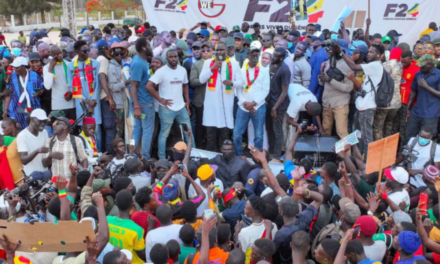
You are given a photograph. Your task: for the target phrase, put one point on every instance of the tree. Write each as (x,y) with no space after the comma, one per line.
(47,6)
(109,5)
(18,8)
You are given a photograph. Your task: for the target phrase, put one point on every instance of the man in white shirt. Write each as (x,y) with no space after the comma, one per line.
(222,76)
(205,177)
(301,99)
(427,152)
(55,79)
(133,169)
(397,177)
(162,234)
(172,83)
(251,101)
(30,143)
(366,102)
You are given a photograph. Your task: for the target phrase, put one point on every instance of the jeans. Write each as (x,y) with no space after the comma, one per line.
(383,122)
(365,121)
(108,125)
(144,128)
(98,138)
(275,132)
(241,123)
(416,123)
(167,117)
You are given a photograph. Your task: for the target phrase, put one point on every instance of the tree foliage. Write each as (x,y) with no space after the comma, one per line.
(109,5)
(18,8)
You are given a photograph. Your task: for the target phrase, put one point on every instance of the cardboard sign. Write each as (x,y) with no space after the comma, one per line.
(382,153)
(66,236)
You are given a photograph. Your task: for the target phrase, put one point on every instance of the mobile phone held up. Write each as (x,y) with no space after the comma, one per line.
(185,127)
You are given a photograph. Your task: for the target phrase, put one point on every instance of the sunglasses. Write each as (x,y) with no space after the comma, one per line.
(85,51)
(206,50)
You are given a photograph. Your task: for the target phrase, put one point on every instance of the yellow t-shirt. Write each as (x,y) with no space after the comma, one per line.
(426,32)
(126,234)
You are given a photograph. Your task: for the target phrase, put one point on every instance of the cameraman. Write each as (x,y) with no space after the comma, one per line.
(337,88)
(427,153)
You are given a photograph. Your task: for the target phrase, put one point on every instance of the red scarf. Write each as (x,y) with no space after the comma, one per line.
(76,82)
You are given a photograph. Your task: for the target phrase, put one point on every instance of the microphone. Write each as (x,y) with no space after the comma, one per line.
(220,58)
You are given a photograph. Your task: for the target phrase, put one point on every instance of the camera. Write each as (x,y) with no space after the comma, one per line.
(361,93)
(180,167)
(408,155)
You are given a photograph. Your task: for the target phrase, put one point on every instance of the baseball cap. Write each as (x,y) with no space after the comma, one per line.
(386,39)
(223,28)
(197,44)
(19,61)
(256,24)
(163,163)
(180,146)
(436,41)
(217,28)
(98,184)
(256,44)
(344,45)
(368,226)
(230,42)
(204,32)
(425,59)
(254,48)
(203,23)
(206,43)
(65,120)
(431,172)
(350,210)
(236,28)
(101,43)
(238,35)
(247,41)
(397,174)
(140,30)
(394,33)
(361,49)
(206,171)
(171,190)
(34,56)
(39,114)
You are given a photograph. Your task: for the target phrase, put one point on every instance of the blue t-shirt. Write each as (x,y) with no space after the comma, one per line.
(139,72)
(427,106)
(411,260)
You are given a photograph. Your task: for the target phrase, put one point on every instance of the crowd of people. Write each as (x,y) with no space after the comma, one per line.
(109,118)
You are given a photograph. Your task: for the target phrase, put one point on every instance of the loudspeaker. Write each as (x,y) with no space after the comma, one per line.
(319,149)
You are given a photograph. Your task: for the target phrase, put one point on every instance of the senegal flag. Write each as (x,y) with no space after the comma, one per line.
(182,4)
(314,5)
(414,11)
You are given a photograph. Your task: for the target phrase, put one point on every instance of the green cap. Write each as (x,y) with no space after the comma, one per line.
(236,28)
(230,42)
(436,41)
(98,184)
(386,39)
(425,59)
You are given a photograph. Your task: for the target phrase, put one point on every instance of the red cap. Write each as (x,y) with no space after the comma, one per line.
(368,226)
(217,28)
(89,121)
(140,30)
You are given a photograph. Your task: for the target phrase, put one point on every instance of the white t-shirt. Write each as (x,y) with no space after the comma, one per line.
(205,204)
(162,235)
(139,181)
(374,70)
(397,198)
(377,251)
(170,84)
(423,155)
(299,96)
(248,235)
(103,68)
(27,142)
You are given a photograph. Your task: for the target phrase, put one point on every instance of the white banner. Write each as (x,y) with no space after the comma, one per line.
(408,17)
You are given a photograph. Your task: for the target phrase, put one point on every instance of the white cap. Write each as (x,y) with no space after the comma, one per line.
(398,174)
(19,61)
(47,40)
(39,114)
(127,253)
(256,44)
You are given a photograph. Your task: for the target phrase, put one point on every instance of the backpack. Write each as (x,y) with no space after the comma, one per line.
(72,142)
(385,90)
(431,154)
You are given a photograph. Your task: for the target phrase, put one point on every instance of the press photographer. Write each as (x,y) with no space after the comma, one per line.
(337,88)
(420,152)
